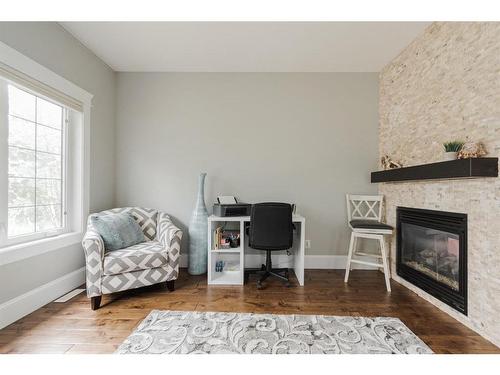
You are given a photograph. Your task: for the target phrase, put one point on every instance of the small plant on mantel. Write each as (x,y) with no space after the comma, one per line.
(451,149)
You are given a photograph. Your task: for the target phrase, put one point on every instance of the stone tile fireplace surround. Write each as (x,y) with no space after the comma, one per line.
(445,86)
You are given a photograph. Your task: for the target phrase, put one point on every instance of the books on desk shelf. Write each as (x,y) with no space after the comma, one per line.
(226,239)
(217,237)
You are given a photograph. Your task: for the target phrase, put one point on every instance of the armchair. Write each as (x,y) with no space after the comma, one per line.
(150,262)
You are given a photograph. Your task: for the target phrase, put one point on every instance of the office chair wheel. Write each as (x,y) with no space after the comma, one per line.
(288,285)
(259,285)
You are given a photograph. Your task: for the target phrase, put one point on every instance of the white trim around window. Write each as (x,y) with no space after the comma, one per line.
(78,163)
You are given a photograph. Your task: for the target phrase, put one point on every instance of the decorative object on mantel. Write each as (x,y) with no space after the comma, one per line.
(388,163)
(198,232)
(197,332)
(472,150)
(451,149)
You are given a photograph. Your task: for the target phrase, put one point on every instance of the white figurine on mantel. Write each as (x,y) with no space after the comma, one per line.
(388,163)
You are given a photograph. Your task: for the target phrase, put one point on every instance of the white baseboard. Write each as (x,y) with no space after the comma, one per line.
(26,303)
(324,262)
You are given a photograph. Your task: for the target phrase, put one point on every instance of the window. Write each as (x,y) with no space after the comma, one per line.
(35,165)
(44,158)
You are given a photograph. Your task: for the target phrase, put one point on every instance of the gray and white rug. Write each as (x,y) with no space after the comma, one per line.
(183,332)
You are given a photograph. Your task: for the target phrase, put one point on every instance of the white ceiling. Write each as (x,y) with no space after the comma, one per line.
(246,46)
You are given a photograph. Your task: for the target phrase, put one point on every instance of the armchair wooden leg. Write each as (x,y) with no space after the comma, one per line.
(95,302)
(171,285)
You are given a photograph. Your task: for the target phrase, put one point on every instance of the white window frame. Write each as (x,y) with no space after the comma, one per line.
(77,195)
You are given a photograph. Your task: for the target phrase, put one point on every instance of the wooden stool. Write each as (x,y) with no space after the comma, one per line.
(364,213)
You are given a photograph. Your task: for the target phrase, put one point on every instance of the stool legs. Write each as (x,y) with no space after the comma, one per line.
(383,254)
(349,257)
(387,271)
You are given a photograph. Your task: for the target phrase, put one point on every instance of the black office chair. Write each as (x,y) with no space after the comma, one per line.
(271,229)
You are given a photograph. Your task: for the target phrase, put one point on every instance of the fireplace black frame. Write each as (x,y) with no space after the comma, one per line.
(451,222)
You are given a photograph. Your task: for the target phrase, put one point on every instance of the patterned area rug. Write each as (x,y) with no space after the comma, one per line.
(183,332)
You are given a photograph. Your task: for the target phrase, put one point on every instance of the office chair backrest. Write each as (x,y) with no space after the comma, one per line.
(364,207)
(271,226)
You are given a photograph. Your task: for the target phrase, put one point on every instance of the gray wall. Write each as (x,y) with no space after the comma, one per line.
(50,45)
(303,138)
(306,138)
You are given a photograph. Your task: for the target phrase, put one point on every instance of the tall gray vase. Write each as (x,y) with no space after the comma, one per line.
(198,232)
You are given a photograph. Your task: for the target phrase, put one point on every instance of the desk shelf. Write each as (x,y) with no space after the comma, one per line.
(226,278)
(232,256)
(230,250)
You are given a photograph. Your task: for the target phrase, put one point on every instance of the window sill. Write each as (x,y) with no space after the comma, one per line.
(15,253)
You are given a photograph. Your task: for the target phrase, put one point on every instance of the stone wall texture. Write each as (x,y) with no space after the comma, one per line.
(446,85)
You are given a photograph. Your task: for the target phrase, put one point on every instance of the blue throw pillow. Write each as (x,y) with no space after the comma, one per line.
(117,230)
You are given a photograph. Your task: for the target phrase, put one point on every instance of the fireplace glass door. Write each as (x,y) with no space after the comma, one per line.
(432,252)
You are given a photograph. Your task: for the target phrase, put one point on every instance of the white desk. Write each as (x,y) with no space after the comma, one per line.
(236,256)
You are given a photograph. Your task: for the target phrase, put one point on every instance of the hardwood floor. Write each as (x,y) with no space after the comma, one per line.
(72,327)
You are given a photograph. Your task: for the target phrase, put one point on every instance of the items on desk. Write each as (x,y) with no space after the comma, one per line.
(226,199)
(219,266)
(224,244)
(217,237)
(226,239)
(228,206)
(231,266)
(234,240)
(228,210)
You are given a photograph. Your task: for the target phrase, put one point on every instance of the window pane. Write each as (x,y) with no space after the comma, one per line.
(21,103)
(48,192)
(21,162)
(48,165)
(48,113)
(21,221)
(48,139)
(21,192)
(21,133)
(48,217)
(35,175)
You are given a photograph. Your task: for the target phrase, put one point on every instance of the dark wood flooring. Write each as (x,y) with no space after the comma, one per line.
(72,327)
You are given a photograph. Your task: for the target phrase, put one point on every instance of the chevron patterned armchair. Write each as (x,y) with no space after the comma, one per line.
(153,261)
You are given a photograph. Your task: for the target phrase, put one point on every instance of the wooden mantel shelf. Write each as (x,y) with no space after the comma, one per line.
(461,168)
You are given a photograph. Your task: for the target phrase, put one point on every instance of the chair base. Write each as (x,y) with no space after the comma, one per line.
(95,302)
(280,273)
(267,270)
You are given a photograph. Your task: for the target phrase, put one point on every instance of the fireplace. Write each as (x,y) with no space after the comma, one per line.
(432,253)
